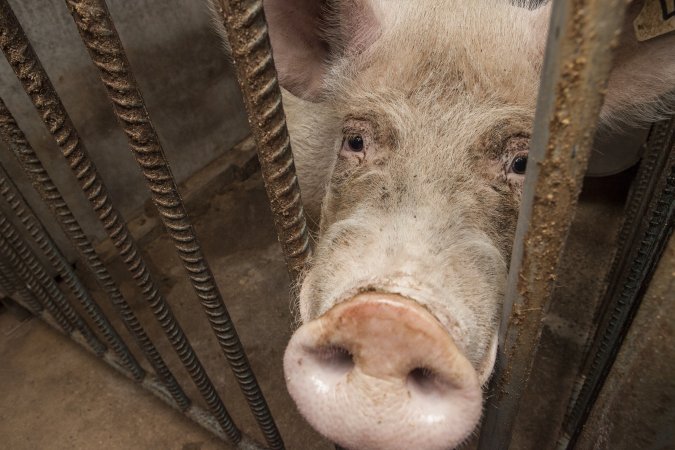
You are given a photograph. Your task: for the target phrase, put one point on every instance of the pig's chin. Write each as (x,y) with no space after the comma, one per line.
(378,371)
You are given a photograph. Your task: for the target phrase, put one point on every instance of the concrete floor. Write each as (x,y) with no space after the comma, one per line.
(54,395)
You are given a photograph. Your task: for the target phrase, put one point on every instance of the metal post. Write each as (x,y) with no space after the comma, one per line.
(252,54)
(49,248)
(28,69)
(16,141)
(105,48)
(574,78)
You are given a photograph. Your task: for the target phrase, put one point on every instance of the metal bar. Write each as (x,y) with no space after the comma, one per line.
(252,54)
(653,198)
(10,283)
(105,48)
(37,271)
(16,141)
(9,255)
(575,72)
(49,248)
(27,66)
(28,69)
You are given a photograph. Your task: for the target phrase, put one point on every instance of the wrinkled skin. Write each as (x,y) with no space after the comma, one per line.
(409,123)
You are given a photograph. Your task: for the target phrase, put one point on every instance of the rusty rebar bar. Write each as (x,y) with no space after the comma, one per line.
(47,284)
(252,55)
(33,226)
(39,88)
(10,283)
(17,143)
(574,77)
(105,48)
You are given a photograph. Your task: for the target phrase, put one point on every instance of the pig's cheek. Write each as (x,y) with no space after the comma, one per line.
(488,365)
(308,304)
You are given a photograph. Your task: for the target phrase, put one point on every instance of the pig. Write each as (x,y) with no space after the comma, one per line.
(410,124)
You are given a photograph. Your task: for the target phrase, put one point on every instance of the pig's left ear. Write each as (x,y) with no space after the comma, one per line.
(641,86)
(308,35)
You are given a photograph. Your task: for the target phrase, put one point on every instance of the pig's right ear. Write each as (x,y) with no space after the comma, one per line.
(307,35)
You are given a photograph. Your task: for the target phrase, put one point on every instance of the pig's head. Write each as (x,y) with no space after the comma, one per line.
(410,123)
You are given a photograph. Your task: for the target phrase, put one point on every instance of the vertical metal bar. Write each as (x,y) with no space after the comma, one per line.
(574,78)
(49,248)
(252,54)
(644,235)
(105,48)
(16,141)
(11,234)
(10,283)
(39,88)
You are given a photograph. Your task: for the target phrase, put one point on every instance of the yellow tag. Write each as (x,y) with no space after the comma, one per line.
(656,18)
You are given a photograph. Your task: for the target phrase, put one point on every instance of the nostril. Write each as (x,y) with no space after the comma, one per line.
(334,359)
(393,362)
(424,381)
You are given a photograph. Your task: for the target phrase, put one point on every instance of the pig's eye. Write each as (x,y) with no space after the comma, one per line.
(519,164)
(354,143)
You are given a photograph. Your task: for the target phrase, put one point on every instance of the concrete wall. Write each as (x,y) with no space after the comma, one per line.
(189,88)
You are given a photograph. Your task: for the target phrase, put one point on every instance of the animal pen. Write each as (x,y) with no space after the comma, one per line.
(576,68)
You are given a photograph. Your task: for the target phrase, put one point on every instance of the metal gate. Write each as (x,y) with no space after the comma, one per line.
(576,69)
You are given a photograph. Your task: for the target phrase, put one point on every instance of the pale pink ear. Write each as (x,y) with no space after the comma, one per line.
(641,85)
(307,35)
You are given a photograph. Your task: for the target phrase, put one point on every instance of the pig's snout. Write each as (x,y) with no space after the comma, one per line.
(380,372)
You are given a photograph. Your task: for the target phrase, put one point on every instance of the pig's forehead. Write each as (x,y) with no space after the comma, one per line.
(483,49)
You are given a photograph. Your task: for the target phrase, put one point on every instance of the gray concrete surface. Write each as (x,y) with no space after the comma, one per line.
(58,396)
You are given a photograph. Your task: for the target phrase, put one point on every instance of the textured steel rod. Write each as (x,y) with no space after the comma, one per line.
(25,277)
(12,236)
(105,48)
(574,78)
(34,227)
(27,66)
(10,283)
(16,142)
(252,54)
